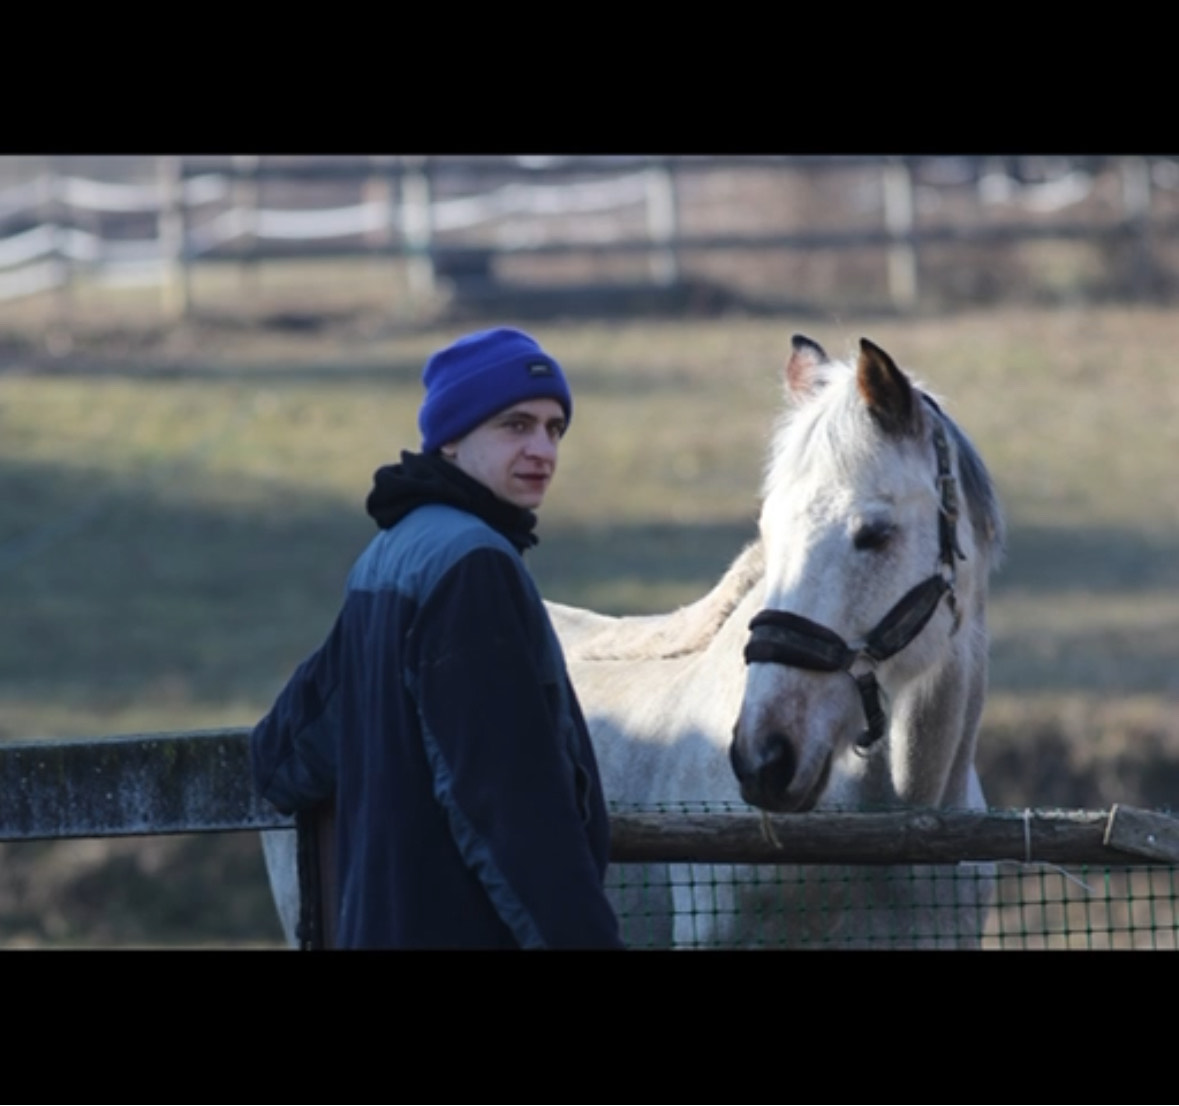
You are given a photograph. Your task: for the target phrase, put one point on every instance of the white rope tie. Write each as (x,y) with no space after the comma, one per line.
(767,831)
(1028,862)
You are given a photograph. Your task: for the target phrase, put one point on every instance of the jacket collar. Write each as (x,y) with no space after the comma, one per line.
(422,478)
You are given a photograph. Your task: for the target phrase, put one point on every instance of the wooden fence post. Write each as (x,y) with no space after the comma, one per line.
(246,191)
(417,227)
(378,189)
(900,209)
(662,221)
(172,229)
(1136,199)
(62,279)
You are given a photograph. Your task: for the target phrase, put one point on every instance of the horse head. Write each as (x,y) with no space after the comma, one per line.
(872,593)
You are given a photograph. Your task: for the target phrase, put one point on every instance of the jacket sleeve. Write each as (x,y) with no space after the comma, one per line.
(293,749)
(490,690)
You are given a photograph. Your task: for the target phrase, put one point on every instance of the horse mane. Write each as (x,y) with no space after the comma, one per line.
(978,490)
(684,631)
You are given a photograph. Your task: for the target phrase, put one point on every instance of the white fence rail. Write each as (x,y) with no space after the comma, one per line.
(54,225)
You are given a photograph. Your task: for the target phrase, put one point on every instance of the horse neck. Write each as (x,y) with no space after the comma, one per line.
(688,631)
(706,688)
(933,726)
(727,643)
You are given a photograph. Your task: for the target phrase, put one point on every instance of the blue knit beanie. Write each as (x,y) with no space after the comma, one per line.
(482,374)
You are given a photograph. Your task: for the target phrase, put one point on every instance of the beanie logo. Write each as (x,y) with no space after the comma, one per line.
(540,368)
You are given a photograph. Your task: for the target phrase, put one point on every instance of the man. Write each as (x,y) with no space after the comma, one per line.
(438,713)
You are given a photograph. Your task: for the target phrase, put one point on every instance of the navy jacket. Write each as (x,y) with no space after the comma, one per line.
(469,810)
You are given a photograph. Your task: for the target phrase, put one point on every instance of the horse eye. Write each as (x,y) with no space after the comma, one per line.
(873,535)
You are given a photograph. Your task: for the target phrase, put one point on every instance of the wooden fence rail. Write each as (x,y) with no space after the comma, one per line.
(199,782)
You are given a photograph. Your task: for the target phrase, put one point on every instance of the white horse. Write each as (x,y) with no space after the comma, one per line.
(859,537)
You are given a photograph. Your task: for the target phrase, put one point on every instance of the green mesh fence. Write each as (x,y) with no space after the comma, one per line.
(1004,905)
(1090,908)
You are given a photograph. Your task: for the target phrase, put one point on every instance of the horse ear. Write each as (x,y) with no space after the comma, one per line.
(803,377)
(886,390)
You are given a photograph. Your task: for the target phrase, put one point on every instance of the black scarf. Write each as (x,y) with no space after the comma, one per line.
(423,478)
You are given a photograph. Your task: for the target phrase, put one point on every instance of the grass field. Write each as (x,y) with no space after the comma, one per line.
(179,509)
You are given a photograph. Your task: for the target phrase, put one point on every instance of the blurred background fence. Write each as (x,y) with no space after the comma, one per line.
(551,233)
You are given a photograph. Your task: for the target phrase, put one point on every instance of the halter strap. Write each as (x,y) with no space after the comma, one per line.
(906,619)
(784,638)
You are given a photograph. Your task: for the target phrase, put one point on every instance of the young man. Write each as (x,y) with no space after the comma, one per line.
(438,713)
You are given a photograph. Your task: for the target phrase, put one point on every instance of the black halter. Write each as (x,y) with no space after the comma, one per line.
(780,637)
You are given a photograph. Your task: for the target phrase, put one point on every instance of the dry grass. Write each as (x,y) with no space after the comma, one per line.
(179,508)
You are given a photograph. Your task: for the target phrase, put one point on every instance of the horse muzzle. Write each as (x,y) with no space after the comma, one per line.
(770,782)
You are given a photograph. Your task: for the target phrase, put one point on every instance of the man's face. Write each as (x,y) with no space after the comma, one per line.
(514,453)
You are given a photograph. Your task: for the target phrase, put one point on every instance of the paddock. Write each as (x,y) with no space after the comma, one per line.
(1067,879)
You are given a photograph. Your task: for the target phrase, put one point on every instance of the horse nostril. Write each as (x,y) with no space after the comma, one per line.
(778,768)
(772,773)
